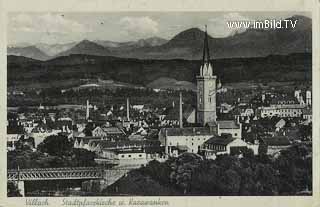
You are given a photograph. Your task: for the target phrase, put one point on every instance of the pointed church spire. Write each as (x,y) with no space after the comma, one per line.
(206,54)
(206,68)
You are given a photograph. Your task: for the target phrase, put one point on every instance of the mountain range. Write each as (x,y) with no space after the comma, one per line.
(187,44)
(28,51)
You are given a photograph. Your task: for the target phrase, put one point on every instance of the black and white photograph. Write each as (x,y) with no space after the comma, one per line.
(150,103)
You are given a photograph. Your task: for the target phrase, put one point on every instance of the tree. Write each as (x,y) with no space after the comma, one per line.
(247,185)
(295,169)
(266,180)
(56,145)
(82,157)
(205,180)
(230,182)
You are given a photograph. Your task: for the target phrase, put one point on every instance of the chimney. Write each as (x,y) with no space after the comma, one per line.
(87,110)
(180,111)
(128,108)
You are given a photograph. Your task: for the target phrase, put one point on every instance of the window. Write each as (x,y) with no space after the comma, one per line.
(140,155)
(192,143)
(129,155)
(122,156)
(235,134)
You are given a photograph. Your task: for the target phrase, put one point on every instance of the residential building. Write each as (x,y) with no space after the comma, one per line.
(273,145)
(186,139)
(287,110)
(224,144)
(230,127)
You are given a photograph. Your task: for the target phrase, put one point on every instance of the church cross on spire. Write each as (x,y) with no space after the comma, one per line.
(206,54)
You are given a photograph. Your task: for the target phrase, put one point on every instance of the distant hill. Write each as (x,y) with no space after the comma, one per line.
(86,47)
(29,52)
(171,83)
(175,73)
(54,49)
(251,43)
(149,42)
(188,45)
(109,48)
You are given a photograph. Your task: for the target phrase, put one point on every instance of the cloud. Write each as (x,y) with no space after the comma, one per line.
(218,26)
(139,26)
(48,23)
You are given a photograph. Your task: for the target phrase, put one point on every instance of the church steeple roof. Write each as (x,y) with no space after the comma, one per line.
(206,54)
(206,68)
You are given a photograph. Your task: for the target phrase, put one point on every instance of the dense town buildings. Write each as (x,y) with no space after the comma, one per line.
(222,121)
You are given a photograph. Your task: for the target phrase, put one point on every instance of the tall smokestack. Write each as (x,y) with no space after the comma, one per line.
(180,111)
(128,110)
(87,110)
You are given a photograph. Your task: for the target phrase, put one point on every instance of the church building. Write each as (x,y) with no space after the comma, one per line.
(191,139)
(206,88)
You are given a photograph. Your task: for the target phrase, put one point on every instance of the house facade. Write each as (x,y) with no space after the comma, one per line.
(186,139)
(222,145)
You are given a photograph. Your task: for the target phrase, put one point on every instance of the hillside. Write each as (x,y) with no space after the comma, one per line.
(158,73)
(86,47)
(150,42)
(54,49)
(28,51)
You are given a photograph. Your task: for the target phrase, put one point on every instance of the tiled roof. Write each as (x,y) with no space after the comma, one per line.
(220,140)
(122,151)
(188,131)
(228,124)
(109,144)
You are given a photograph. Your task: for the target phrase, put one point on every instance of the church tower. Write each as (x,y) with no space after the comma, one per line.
(206,88)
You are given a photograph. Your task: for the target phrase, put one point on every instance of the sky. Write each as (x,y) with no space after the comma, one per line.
(60,28)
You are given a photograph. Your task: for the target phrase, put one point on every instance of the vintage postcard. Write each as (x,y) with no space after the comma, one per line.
(142,103)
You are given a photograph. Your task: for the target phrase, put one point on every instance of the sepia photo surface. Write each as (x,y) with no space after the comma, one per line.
(106,107)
